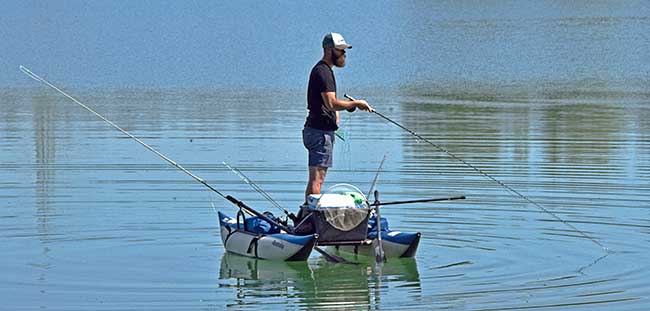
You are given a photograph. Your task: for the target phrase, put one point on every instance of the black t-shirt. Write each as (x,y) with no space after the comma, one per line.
(321,80)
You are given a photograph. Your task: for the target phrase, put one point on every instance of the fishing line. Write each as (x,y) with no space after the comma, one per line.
(481,172)
(214,208)
(344,134)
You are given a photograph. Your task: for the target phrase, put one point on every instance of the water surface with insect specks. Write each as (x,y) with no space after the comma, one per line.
(552,101)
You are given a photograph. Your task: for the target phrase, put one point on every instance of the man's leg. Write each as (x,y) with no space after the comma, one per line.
(316,179)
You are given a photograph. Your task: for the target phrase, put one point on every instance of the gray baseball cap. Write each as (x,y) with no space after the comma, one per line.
(335,40)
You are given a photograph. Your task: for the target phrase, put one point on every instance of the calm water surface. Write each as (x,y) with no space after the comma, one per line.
(550,98)
(92,220)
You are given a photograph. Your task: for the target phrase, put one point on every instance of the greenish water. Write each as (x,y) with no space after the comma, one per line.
(551,98)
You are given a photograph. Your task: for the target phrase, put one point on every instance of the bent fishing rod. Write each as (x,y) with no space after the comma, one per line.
(238,203)
(488,176)
(158,153)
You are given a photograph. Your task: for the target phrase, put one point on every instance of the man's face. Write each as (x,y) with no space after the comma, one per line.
(338,57)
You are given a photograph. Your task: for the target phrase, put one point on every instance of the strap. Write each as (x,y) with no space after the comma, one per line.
(230,233)
(253,243)
(243,220)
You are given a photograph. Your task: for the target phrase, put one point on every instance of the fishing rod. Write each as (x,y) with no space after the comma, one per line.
(260,191)
(488,176)
(328,256)
(158,153)
(172,162)
(255,186)
(461,197)
(230,198)
(374,181)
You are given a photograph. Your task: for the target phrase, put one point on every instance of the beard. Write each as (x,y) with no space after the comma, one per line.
(338,61)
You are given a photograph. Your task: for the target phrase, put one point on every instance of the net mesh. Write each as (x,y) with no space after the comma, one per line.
(344,206)
(345,219)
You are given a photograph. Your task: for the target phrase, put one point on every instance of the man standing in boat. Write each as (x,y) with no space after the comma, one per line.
(324,107)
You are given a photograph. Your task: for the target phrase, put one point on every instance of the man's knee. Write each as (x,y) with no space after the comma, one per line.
(317,173)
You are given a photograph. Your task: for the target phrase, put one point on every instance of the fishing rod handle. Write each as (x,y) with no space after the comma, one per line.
(352,99)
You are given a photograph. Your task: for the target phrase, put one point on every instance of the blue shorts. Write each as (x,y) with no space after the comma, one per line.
(320,145)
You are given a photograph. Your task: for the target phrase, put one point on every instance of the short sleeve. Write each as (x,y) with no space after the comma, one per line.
(326,80)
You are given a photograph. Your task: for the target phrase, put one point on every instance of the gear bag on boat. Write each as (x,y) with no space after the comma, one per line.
(257,225)
(372,226)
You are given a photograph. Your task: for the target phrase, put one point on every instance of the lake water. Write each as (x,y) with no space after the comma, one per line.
(552,101)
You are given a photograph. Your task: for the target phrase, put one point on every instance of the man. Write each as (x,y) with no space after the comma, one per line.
(324,107)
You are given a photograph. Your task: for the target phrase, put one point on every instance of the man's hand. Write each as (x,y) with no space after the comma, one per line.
(363,105)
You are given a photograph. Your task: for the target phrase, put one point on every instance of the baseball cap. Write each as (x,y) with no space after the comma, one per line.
(335,40)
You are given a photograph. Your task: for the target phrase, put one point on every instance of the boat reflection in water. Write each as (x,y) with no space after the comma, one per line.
(317,283)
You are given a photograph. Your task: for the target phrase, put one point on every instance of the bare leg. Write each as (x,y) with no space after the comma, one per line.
(316,179)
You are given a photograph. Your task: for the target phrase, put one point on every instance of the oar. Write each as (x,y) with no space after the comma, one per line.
(169,160)
(380,257)
(488,176)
